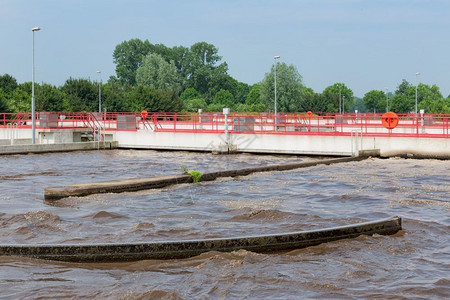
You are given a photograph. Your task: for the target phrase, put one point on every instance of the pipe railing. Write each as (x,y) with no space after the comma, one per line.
(409,125)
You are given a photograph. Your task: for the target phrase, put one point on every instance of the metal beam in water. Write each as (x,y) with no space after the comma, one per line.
(190,248)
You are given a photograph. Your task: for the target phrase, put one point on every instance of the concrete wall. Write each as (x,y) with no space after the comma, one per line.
(42,148)
(289,144)
(252,143)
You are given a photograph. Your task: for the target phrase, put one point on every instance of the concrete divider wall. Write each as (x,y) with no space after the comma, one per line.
(281,143)
(127,185)
(43,148)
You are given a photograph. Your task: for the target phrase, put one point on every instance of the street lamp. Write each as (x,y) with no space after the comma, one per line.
(100,92)
(340,110)
(33,117)
(387,99)
(417,74)
(275,110)
(343,106)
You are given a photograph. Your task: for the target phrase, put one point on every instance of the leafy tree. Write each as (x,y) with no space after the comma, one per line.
(200,55)
(241,92)
(213,107)
(431,100)
(313,101)
(224,98)
(8,83)
(335,94)
(3,101)
(177,55)
(258,107)
(375,101)
(359,105)
(114,97)
(189,93)
(153,100)
(18,101)
(80,95)
(128,57)
(192,100)
(194,104)
(254,95)
(289,88)
(202,72)
(441,106)
(157,73)
(49,98)
(404,98)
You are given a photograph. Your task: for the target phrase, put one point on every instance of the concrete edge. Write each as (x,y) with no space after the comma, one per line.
(47,148)
(190,248)
(80,190)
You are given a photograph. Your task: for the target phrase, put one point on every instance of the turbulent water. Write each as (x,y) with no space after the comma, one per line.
(414,263)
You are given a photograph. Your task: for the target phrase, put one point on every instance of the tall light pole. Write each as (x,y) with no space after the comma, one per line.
(387,99)
(100,93)
(417,74)
(275,110)
(340,86)
(343,106)
(33,117)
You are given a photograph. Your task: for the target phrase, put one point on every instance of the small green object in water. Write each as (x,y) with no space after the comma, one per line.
(196,175)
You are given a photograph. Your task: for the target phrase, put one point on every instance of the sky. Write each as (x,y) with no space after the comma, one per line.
(366,44)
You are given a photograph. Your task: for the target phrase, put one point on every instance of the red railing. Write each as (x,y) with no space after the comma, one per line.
(410,125)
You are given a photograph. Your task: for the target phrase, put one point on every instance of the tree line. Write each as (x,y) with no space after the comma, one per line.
(158,78)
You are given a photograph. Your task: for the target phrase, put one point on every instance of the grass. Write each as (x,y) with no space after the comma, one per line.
(196,175)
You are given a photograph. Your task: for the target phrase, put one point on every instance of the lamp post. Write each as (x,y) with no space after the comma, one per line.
(275,108)
(33,117)
(340,86)
(343,106)
(100,92)
(417,74)
(387,99)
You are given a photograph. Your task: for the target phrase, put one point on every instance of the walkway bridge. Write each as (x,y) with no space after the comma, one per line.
(294,133)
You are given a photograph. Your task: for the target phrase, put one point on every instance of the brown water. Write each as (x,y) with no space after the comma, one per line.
(414,263)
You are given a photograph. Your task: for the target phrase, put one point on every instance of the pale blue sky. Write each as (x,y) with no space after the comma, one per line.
(365,44)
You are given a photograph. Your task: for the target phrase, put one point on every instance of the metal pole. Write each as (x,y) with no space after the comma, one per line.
(276,57)
(340,98)
(387,100)
(100,93)
(417,74)
(343,106)
(33,117)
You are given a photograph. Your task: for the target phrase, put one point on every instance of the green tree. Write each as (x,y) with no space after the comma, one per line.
(289,88)
(335,94)
(375,101)
(224,98)
(18,100)
(157,73)
(153,100)
(128,57)
(8,83)
(80,95)
(201,54)
(189,93)
(114,97)
(192,101)
(254,95)
(241,92)
(49,98)
(431,100)
(359,105)
(313,101)
(3,101)
(194,104)
(403,100)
